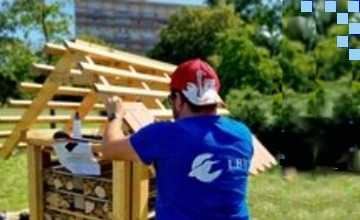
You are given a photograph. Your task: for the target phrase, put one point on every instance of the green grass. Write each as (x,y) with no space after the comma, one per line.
(331,197)
(323,197)
(13,182)
(335,196)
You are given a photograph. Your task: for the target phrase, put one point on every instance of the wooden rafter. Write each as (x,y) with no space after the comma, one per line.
(58,76)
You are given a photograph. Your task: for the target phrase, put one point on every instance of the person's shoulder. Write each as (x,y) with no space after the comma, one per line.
(159,125)
(235,124)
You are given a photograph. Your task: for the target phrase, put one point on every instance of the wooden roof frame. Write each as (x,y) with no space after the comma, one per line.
(92,71)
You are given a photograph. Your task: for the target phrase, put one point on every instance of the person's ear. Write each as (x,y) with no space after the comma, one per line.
(179,102)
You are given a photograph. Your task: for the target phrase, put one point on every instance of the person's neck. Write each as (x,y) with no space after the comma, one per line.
(196,114)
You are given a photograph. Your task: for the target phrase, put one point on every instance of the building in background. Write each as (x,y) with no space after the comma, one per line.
(131,26)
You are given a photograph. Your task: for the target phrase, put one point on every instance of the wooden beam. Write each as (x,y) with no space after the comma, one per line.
(114,72)
(4,134)
(48,90)
(119,90)
(62,90)
(120,187)
(54,49)
(84,108)
(137,117)
(51,104)
(44,137)
(111,55)
(88,102)
(158,113)
(45,119)
(47,69)
(76,77)
(152,102)
(36,160)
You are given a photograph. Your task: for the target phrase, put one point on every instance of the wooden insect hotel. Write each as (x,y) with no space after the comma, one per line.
(87,72)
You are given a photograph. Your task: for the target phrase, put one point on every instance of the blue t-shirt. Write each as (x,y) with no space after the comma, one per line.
(202,165)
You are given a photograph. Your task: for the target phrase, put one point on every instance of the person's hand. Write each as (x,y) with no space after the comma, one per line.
(114,106)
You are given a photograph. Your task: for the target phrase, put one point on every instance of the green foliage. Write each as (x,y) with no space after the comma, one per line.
(15,62)
(268,79)
(244,64)
(17,20)
(191,32)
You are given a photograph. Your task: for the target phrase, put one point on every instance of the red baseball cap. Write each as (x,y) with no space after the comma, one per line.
(198,82)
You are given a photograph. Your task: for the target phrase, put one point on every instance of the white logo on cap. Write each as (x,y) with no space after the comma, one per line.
(203,92)
(201,168)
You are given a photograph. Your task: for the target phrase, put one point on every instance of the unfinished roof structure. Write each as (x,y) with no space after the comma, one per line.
(89,73)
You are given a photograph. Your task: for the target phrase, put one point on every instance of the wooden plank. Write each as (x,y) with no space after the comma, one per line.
(88,102)
(114,72)
(62,90)
(117,56)
(4,134)
(48,90)
(138,116)
(54,49)
(152,102)
(44,137)
(47,69)
(52,104)
(133,57)
(35,168)
(84,108)
(121,190)
(20,146)
(48,118)
(158,113)
(120,90)
(76,77)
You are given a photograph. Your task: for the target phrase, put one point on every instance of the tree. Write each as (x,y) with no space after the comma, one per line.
(191,32)
(243,64)
(26,17)
(15,62)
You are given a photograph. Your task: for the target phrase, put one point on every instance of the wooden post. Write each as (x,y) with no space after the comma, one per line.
(121,190)
(140,192)
(37,159)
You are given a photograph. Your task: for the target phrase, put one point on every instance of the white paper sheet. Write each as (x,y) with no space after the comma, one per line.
(80,160)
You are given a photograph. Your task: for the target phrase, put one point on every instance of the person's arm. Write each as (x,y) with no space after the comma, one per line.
(114,145)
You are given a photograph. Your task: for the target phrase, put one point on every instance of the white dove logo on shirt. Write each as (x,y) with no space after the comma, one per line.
(201,168)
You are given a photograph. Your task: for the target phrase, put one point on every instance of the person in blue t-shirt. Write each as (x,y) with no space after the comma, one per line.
(202,160)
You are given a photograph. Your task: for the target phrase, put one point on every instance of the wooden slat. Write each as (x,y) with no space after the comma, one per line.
(114,72)
(47,69)
(4,134)
(54,49)
(118,56)
(44,137)
(119,90)
(153,102)
(52,104)
(137,59)
(62,90)
(158,113)
(76,78)
(88,102)
(56,118)
(48,90)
